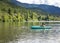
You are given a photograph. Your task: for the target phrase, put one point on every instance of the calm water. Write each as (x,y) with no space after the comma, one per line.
(22,33)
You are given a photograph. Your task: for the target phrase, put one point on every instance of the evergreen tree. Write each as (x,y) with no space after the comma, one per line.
(47,18)
(39,18)
(9,11)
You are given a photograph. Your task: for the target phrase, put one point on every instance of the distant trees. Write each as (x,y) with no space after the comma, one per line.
(9,11)
(16,13)
(5,0)
(39,18)
(47,18)
(3,19)
(3,9)
(26,15)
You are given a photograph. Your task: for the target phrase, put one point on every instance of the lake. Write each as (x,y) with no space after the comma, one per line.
(22,33)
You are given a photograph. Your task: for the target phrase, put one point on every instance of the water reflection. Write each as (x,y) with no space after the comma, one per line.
(9,31)
(22,33)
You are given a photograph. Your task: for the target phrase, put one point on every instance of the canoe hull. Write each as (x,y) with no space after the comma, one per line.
(40,27)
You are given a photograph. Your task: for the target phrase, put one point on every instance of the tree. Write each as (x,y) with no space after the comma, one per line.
(9,11)
(3,19)
(39,17)
(47,18)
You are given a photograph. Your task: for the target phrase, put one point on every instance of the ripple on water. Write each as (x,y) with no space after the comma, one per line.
(47,36)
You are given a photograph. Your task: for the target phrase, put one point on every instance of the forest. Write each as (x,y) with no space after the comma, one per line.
(13,13)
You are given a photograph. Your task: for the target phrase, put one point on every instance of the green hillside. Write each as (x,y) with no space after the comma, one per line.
(13,13)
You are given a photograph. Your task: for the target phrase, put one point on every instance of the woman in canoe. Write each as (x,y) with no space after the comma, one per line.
(43,24)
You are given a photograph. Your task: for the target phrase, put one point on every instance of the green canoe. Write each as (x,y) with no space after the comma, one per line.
(40,27)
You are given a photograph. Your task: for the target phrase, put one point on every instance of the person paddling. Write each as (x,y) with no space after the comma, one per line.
(43,24)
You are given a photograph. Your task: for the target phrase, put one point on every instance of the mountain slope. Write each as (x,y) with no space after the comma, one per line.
(46,8)
(47,2)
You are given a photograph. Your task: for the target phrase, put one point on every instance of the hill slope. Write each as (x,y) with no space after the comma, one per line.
(47,8)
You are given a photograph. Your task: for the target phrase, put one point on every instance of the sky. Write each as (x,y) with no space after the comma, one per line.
(48,2)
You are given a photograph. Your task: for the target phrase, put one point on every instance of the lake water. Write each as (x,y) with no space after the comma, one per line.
(22,33)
